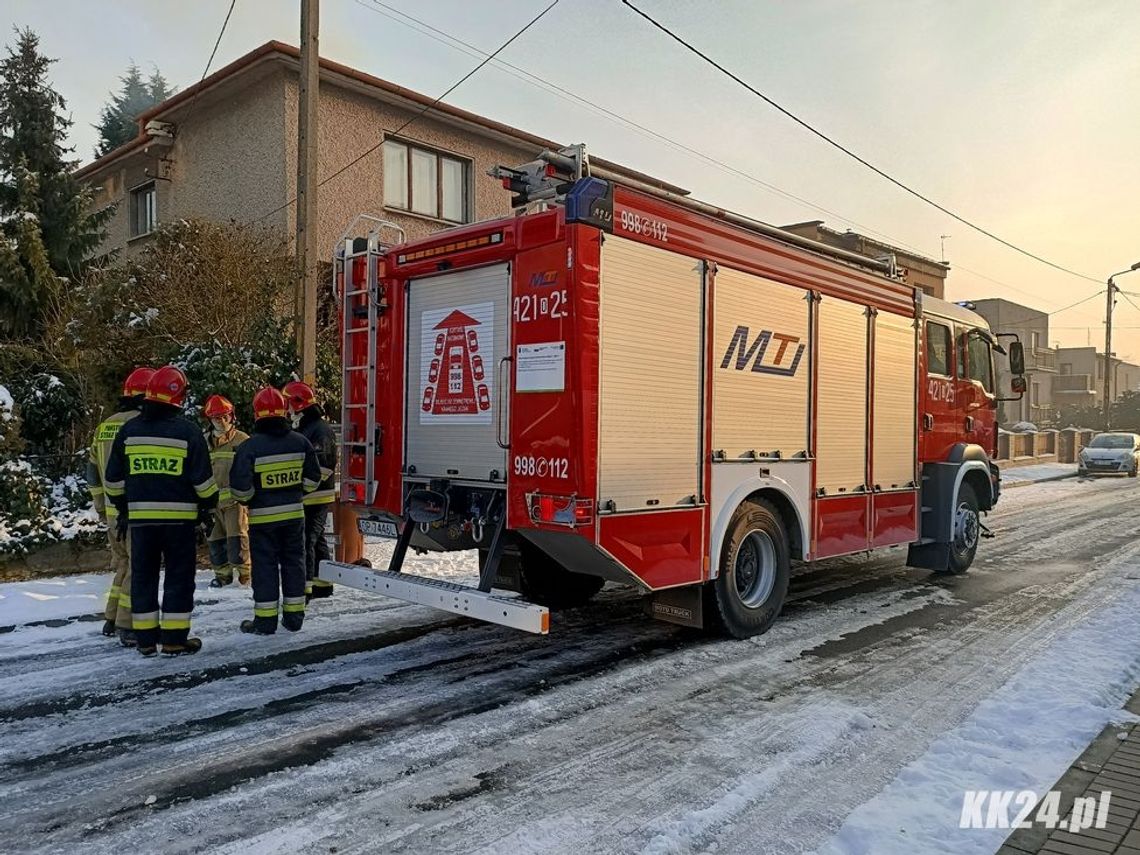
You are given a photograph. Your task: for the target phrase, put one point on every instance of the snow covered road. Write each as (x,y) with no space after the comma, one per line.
(852,726)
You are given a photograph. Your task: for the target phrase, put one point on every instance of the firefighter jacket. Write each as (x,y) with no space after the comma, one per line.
(222,451)
(159,468)
(97,458)
(272,472)
(323,439)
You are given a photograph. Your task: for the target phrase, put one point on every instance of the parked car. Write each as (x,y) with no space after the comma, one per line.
(1112,454)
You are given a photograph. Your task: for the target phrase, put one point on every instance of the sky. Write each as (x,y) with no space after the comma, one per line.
(1020,115)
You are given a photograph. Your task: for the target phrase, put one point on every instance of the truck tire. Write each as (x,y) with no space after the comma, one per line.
(544,581)
(966,531)
(749,591)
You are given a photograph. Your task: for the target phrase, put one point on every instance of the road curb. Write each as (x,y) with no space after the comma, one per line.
(1017,484)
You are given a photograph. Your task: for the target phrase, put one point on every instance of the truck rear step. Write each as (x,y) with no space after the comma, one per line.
(448,596)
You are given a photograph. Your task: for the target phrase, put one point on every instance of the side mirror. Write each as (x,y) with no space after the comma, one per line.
(1017,361)
(1018,384)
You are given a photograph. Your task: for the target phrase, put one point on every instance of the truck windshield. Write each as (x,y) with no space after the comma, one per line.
(1108,440)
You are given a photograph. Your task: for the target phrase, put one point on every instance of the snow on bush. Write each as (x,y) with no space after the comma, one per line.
(35,510)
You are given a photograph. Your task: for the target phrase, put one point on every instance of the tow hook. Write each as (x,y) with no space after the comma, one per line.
(985,531)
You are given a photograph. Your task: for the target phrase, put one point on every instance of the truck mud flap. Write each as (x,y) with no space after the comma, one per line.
(446,596)
(929,556)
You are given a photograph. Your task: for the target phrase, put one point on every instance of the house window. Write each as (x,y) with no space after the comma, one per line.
(425,182)
(937,349)
(144,209)
(1066,368)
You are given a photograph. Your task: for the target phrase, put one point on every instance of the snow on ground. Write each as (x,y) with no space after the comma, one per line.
(55,598)
(1020,475)
(1021,737)
(878,696)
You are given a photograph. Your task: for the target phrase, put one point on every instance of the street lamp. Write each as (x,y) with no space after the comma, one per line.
(1110,294)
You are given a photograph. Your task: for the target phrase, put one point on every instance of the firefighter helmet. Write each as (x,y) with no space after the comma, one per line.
(299,395)
(136,382)
(167,386)
(268,403)
(217,406)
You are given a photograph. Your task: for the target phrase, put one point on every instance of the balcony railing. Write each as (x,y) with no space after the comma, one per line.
(1042,358)
(1073,383)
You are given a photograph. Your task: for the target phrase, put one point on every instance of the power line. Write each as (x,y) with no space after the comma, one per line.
(456,43)
(804,124)
(210,61)
(1074,305)
(423,109)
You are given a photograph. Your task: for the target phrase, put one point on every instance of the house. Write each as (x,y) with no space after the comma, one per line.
(1081,365)
(1032,328)
(917,270)
(226,149)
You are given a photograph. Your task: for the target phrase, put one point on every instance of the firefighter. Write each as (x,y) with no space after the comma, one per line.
(272,472)
(308,420)
(229,537)
(159,477)
(118,611)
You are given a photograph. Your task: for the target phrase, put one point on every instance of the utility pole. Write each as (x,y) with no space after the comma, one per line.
(1110,301)
(306,233)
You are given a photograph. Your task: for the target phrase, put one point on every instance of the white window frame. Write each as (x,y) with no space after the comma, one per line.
(440,156)
(134,195)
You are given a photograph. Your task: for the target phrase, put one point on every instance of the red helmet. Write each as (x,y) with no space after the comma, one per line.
(217,406)
(299,395)
(136,382)
(167,386)
(267,403)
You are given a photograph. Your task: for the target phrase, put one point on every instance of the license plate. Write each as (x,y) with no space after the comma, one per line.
(378,528)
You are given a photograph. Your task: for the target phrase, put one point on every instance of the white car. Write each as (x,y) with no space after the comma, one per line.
(1112,454)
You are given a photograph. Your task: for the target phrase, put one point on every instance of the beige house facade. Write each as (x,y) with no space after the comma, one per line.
(917,270)
(226,149)
(1032,328)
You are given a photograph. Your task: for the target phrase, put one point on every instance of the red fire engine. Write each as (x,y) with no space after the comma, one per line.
(620,383)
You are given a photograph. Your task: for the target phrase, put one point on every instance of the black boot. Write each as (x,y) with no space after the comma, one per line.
(127,638)
(148,650)
(218,582)
(109,628)
(321,591)
(190,645)
(293,621)
(253,628)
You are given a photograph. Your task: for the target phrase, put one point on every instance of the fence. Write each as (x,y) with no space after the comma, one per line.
(1043,446)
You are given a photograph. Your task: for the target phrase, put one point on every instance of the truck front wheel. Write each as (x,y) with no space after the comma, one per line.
(747,595)
(544,581)
(967,530)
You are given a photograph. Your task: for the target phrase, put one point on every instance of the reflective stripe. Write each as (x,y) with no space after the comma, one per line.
(149,448)
(293,607)
(321,583)
(308,587)
(326,473)
(207,488)
(277,458)
(276,513)
(110,511)
(164,441)
(225,494)
(241,495)
(125,600)
(113,593)
(320,497)
(162,510)
(147,620)
(308,485)
(114,488)
(94,491)
(222,455)
(265,609)
(162,506)
(175,620)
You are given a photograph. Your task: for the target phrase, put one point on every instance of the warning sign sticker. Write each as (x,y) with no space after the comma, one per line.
(540,367)
(457,364)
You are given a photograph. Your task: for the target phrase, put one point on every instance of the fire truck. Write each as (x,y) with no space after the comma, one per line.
(619,383)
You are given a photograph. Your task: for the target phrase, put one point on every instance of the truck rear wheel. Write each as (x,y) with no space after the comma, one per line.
(544,581)
(967,531)
(748,593)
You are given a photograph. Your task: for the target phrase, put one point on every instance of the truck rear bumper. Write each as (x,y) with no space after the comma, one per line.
(446,596)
